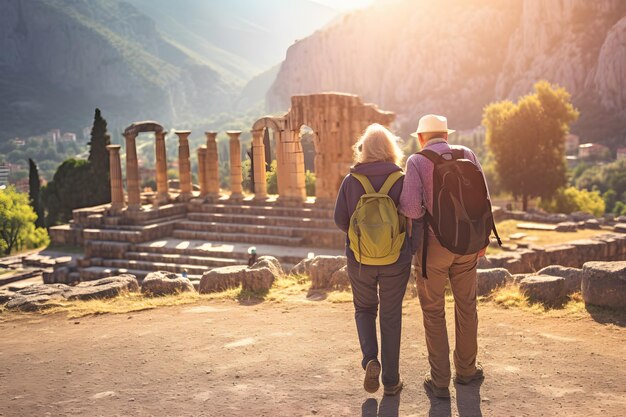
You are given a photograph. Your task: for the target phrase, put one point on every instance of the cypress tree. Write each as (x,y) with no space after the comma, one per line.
(99,159)
(33,192)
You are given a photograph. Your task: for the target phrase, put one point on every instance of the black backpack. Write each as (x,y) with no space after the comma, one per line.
(461,219)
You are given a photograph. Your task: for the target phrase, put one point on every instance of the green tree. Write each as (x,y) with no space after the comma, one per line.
(34,185)
(309,183)
(572,199)
(272,179)
(69,189)
(99,160)
(17,223)
(527,140)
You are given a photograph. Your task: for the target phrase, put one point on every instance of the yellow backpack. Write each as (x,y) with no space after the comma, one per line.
(376,231)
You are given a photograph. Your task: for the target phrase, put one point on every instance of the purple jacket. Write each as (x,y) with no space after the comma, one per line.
(350,192)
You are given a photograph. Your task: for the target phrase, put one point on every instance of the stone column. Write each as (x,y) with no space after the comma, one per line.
(236,176)
(212,165)
(161,169)
(115,168)
(202,170)
(132,173)
(258,153)
(184,165)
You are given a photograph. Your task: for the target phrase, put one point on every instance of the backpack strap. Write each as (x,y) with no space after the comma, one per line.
(390,181)
(458,154)
(433,156)
(367,185)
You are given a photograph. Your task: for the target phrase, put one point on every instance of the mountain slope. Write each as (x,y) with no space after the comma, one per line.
(456,56)
(62,58)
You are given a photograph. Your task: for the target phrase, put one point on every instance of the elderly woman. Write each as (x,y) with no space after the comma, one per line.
(377,158)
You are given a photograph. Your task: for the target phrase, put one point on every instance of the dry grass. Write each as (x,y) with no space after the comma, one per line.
(511,296)
(339,297)
(540,237)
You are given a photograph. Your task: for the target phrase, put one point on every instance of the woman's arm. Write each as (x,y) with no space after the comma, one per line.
(342,217)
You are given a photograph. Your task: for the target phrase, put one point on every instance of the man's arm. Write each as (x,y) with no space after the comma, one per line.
(411,205)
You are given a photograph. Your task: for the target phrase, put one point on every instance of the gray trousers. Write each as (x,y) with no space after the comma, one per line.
(387,283)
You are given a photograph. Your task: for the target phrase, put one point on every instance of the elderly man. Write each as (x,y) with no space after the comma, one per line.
(416,201)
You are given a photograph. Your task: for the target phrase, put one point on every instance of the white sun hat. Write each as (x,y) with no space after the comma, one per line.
(432,123)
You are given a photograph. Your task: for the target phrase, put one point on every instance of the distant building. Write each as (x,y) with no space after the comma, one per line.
(4,175)
(18,142)
(621,153)
(22,185)
(592,150)
(68,137)
(571,160)
(54,135)
(571,144)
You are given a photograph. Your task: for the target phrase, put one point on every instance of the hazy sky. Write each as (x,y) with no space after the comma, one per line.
(345,4)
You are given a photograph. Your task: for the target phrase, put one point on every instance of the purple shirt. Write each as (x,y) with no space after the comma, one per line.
(417,192)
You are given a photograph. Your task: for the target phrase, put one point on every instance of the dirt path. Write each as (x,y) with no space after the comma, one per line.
(296,359)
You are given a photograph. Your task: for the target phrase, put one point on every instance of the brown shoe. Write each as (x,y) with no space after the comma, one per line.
(439,392)
(394,389)
(372,374)
(464,380)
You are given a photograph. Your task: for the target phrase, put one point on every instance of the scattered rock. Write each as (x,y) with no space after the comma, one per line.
(339,280)
(592,224)
(257,278)
(6,296)
(58,275)
(544,288)
(165,283)
(104,288)
(517,278)
(620,228)
(322,269)
(270,263)
(484,262)
(220,279)
(490,279)
(573,276)
(566,227)
(604,284)
(302,267)
(517,236)
(578,216)
(38,297)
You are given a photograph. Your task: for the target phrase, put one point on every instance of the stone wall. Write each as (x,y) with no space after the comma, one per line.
(607,247)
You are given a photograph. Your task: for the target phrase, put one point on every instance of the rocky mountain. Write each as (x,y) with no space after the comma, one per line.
(243,37)
(62,58)
(456,56)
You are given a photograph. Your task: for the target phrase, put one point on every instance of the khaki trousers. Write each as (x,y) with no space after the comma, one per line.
(442,265)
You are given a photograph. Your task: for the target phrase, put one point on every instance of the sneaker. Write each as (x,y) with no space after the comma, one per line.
(464,380)
(394,389)
(439,392)
(372,373)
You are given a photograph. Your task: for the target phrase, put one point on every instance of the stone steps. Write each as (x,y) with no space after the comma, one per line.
(261,229)
(263,210)
(225,250)
(96,272)
(154,266)
(238,237)
(286,221)
(182,259)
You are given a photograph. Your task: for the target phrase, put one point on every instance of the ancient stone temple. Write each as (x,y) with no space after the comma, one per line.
(199,228)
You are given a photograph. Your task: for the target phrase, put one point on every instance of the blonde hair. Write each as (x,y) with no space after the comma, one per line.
(377,144)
